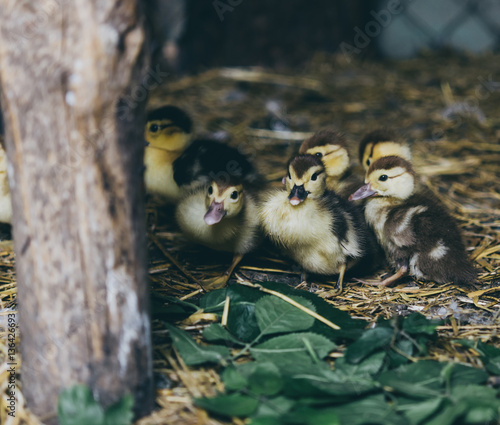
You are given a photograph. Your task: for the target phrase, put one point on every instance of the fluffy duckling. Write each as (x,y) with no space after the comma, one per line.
(418,235)
(331,147)
(168,133)
(324,233)
(380,143)
(222,216)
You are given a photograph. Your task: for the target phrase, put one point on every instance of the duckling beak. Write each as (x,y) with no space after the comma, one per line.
(215,213)
(297,195)
(363,192)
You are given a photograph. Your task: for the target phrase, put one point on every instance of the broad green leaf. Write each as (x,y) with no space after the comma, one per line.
(215,332)
(242,322)
(372,410)
(490,355)
(420,380)
(213,301)
(417,412)
(266,420)
(193,353)
(265,379)
(350,328)
(120,413)
(417,323)
(76,406)
(467,375)
(309,416)
(370,341)
(229,405)
(275,315)
(273,407)
(368,367)
(293,344)
(233,379)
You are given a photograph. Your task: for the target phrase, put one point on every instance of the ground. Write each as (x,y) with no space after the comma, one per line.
(446,106)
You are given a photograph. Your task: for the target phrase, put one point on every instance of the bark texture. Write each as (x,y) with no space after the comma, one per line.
(76,152)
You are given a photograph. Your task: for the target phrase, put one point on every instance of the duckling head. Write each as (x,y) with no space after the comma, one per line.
(222,200)
(306,178)
(331,147)
(380,143)
(390,176)
(168,128)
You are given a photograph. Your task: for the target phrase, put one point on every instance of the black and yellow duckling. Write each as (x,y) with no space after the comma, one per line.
(168,134)
(380,143)
(331,147)
(222,216)
(418,235)
(321,231)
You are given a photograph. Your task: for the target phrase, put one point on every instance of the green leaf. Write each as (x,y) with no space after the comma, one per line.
(419,380)
(418,411)
(467,375)
(233,379)
(417,323)
(275,315)
(371,410)
(370,341)
(229,405)
(242,322)
(273,407)
(490,355)
(266,379)
(193,353)
(351,329)
(309,416)
(120,413)
(215,332)
(76,406)
(297,344)
(213,300)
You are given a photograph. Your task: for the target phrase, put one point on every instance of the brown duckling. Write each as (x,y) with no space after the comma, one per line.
(418,235)
(320,230)
(331,147)
(168,134)
(380,143)
(222,216)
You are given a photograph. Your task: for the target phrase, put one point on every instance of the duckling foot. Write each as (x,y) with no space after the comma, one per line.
(403,271)
(338,289)
(217,282)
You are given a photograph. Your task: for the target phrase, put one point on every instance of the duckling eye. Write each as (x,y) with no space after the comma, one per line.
(154,128)
(367,162)
(319,155)
(383,177)
(210,190)
(314,177)
(234,195)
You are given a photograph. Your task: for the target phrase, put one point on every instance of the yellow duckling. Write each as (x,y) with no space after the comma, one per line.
(223,217)
(418,235)
(321,231)
(168,134)
(331,147)
(380,143)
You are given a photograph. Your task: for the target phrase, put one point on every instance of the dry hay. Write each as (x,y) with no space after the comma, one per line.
(447,108)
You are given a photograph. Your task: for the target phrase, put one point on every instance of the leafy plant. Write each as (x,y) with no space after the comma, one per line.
(382,378)
(76,406)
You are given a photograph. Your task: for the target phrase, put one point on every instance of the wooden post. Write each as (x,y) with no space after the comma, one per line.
(73,107)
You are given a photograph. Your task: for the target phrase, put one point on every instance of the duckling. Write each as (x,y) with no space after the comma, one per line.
(321,231)
(380,143)
(418,235)
(222,216)
(331,147)
(168,133)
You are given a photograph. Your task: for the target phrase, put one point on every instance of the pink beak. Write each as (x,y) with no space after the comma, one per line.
(363,192)
(215,213)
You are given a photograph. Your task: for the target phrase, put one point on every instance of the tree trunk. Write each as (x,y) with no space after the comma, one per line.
(76,153)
